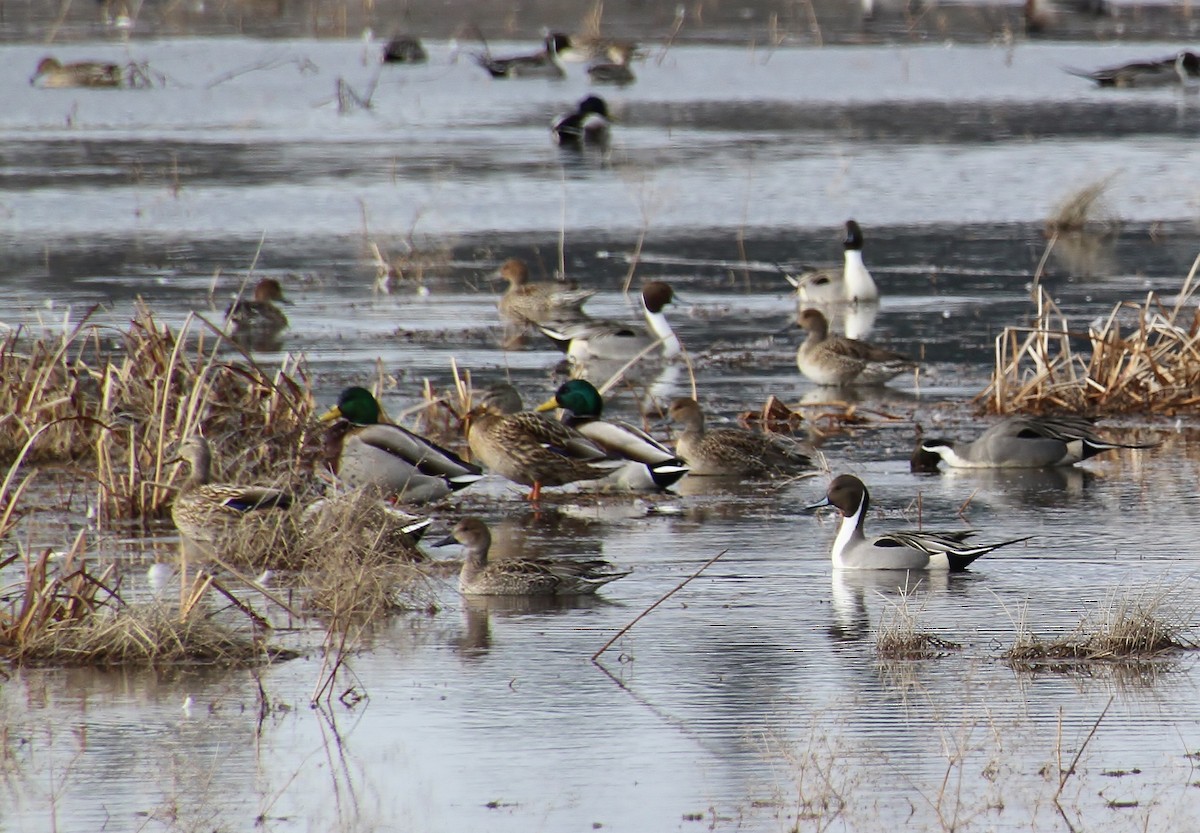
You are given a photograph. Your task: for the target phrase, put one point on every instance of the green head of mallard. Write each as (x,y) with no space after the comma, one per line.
(579,397)
(356,405)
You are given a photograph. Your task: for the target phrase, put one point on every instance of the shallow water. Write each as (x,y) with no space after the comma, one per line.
(754,698)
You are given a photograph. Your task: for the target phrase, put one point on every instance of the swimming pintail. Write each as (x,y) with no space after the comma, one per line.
(259,313)
(833,360)
(533,576)
(903,550)
(1019,442)
(651,464)
(533,302)
(1181,68)
(367,453)
(531,449)
(51,73)
(607,340)
(404,49)
(852,283)
(734,451)
(543,64)
(204,511)
(587,125)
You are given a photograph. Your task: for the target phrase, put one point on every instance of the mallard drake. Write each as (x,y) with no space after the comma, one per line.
(833,360)
(1019,442)
(526,301)
(651,464)
(734,451)
(404,49)
(904,550)
(1180,68)
(613,66)
(204,511)
(259,314)
(586,126)
(532,449)
(51,73)
(608,340)
(366,453)
(523,576)
(543,64)
(852,283)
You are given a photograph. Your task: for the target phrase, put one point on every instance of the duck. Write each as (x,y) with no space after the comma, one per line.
(203,511)
(833,360)
(531,449)
(404,49)
(902,550)
(588,126)
(366,452)
(613,66)
(259,314)
(1019,442)
(611,340)
(733,452)
(51,73)
(1180,68)
(533,302)
(650,464)
(852,284)
(543,64)
(531,576)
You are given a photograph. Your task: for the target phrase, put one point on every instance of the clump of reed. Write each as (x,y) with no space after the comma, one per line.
(68,614)
(900,634)
(120,405)
(1126,627)
(1153,367)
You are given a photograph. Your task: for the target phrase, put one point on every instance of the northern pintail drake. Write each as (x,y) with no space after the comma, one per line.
(903,550)
(853,283)
(259,313)
(204,511)
(543,64)
(833,360)
(609,340)
(613,67)
(534,302)
(51,73)
(368,453)
(404,49)
(586,126)
(532,576)
(651,464)
(532,449)
(1181,68)
(1019,443)
(734,452)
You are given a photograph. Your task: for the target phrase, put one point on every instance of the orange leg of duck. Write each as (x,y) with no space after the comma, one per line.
(536,494)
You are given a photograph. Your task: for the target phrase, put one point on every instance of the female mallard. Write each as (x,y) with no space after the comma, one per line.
(259,313)
(523,576)
(833,360)
(613,66)
(531,449)
(651,464)
(51,73)
(734,451)
(203,511)
(368,454)
(525,301)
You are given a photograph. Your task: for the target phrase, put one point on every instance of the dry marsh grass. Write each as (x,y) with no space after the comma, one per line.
(901,635)
(1152,367)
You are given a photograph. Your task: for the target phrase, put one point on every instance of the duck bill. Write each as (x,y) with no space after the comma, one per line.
(549,405)
(813,507)
(445,542)
(333,413)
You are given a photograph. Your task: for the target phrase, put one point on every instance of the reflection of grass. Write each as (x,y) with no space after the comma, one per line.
(1152,367)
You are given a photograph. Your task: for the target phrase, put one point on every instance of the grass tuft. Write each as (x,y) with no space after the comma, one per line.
(900,634)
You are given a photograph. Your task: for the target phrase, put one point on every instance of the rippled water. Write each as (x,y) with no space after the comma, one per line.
(754,698)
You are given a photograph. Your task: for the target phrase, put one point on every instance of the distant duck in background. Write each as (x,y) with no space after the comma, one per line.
(614,67)
(543,64)
(587,126)
(404,49)
(613,340)
(534,302)
(51,73)
(1182,68)
(852,283)
(258,316)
